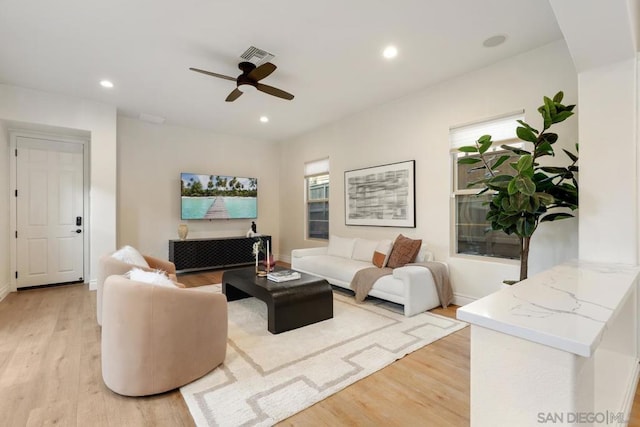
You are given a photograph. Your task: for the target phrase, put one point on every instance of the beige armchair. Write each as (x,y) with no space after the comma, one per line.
(157,338)
(107,266)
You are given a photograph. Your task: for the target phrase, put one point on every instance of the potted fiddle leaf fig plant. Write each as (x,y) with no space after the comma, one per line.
(523,192)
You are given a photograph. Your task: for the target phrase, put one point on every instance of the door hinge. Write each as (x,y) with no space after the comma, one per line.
(16,193)
(16,152)
(16,234)
(16,274)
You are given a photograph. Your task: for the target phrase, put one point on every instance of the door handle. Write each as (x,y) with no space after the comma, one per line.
(78,231)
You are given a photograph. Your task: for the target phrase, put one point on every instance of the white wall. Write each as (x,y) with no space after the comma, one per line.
(609,190)
(417,127)
(150,159)
(35,108)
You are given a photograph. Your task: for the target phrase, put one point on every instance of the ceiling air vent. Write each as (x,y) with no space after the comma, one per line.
(257,56)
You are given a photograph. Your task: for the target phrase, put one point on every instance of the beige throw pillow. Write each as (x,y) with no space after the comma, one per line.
(403,252)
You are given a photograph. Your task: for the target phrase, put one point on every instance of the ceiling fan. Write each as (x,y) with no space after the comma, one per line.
(249,78)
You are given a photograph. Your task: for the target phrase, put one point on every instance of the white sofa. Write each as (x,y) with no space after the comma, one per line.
(411,286)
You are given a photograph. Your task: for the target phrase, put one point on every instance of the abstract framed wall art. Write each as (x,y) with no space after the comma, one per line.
(382,196)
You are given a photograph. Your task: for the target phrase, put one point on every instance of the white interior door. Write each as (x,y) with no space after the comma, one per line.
(49,212)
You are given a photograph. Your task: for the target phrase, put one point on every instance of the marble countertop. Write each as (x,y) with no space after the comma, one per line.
(567,307)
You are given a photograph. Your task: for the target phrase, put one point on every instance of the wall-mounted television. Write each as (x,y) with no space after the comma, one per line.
(218,197)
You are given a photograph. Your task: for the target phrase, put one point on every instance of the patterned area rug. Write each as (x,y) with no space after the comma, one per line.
(266,378)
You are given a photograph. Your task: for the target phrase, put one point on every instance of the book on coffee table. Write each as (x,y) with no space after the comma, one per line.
(283,275)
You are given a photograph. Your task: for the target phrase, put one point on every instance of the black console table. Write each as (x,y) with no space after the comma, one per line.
(208,254)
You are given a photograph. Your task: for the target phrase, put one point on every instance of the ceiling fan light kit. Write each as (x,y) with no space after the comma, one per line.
(251,75)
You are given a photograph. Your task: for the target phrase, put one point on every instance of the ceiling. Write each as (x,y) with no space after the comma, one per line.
(328,53)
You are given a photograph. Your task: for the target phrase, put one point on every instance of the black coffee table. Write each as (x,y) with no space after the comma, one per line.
(290,305)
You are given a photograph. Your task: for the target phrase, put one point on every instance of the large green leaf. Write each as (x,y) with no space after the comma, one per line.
(525,185)
(528,126)
(468,161)
(556,216)
(519,202)
(558,97)
(561,116)
(526,134)
(477,168)
(545,112)
(525,162)
(500,180)
(551,138)
(516,150)
(554,169)
(500,161)
(544,198)
(483,139)
(544,149)
(505,205)
(468,149)
(484,146)
(534,204)
(550,106)
(567,196)
(512,188)
(508,220)
(525,226)
(571,155)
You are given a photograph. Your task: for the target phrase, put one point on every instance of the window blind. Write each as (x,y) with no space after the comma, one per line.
(500,128)
(316,167)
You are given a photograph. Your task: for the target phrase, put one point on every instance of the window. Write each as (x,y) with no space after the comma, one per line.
(472,232)
(317,199)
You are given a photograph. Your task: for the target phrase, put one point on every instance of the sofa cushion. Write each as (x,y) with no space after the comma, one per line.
(363,249)
(390,285)
(130,255)
(158,277)
(381,253)
(331,267)
(404,251)
(340,246)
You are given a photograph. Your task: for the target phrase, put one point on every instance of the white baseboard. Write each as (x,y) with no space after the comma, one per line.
(461,299)
(4,291)
(93,285)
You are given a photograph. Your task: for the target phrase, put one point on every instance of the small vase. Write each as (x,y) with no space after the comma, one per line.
(271,264)
(183,230)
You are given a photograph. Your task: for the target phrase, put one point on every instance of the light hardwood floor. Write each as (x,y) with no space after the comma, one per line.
(50,374)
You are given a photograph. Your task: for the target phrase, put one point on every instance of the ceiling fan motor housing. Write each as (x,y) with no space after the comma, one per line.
(246,67)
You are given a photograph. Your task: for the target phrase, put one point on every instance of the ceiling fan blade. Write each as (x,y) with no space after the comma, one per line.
(274,91)
(235,94)
(209,73)
(262,71)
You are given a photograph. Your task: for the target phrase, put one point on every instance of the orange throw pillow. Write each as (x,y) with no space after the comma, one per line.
(404,251)
(378,259)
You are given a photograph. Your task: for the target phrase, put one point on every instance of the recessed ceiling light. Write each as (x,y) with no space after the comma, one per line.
(106,83)
(264,119)
(390,52)
(494,41)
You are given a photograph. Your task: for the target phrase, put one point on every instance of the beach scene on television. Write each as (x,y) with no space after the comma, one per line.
(218,197)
